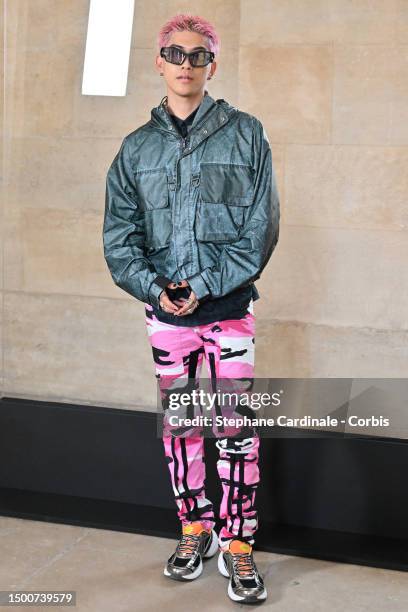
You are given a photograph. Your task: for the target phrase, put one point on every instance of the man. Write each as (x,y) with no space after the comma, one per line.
(191,220)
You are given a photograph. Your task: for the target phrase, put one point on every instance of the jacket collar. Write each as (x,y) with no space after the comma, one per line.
(211,115)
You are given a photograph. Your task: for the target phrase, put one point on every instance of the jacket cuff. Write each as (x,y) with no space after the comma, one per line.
(155,290)
(162,281)
(199,286)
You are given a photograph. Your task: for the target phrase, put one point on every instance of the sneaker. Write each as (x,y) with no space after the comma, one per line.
(245,583)
(196,542)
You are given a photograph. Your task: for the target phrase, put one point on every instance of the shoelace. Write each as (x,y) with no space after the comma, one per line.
(188,544)
(243,564)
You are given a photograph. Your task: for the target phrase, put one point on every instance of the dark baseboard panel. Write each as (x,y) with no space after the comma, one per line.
(339,498)
(374,551)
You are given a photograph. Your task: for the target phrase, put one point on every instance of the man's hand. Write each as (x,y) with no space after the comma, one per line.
(182,306)
(166,304)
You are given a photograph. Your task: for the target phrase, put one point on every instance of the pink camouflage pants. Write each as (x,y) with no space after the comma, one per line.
(228,348)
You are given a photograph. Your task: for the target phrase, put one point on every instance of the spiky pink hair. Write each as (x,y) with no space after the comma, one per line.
(193,23)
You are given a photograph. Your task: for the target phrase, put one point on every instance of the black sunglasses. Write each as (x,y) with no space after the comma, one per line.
(199,58)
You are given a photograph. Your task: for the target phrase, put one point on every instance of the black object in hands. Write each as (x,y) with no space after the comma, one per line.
(180,292)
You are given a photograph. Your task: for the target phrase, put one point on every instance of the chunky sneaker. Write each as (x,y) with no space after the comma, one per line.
(245,583)
(196,542)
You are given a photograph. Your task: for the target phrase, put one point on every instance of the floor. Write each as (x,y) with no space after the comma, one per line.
(123,572)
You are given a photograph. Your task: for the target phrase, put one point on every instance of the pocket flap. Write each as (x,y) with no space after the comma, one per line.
(231,184)
(151,188)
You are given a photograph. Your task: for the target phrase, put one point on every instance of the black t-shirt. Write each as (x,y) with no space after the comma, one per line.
(231,306)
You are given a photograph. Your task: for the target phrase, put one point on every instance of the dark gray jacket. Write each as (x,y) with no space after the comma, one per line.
(206,210)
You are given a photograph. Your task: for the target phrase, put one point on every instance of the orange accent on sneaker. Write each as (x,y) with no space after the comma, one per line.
(236,546)
(242,551)
(194,528)
(188,540)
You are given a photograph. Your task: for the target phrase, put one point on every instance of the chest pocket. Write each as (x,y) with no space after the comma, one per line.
(226,192)
(152,192)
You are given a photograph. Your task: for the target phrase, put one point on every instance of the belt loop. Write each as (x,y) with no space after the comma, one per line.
(195,179)
(171,183)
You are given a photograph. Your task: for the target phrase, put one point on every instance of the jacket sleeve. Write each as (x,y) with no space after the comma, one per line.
(123,237)
(243,261)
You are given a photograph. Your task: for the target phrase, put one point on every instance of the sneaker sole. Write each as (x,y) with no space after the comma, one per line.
(213,547)
(223,570)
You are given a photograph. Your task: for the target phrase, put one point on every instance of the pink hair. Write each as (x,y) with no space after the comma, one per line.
(193,23)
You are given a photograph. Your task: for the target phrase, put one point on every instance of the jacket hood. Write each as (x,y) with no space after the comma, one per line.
(210,112)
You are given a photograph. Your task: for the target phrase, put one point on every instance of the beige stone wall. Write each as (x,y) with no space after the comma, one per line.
(329,79)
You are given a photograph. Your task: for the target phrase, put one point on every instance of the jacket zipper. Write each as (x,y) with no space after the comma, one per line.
(183,143)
